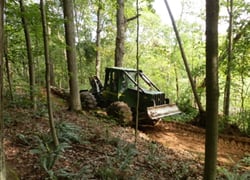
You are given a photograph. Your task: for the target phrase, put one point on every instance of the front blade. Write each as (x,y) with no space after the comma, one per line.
(157,112)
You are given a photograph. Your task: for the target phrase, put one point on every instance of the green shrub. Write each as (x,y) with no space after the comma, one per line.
(234,174)
(118,167)
(48,154)
(68,132)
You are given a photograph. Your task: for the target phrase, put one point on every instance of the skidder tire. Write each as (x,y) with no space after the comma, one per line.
(88,100)
(121,111)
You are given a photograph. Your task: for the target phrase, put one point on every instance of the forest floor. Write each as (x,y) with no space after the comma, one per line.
(94,147)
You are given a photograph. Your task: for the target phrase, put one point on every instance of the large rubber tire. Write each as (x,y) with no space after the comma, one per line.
(88,100)
(121,112)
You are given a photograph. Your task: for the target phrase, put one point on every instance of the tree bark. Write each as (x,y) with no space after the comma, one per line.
(98,39)
(226,105)
(52,73)
(2,159)
(30,57)
(74,101)
(80,55)
(212,89)
(47,76)
(120,35)
(7,66)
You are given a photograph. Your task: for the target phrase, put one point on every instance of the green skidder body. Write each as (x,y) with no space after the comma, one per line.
(119,92)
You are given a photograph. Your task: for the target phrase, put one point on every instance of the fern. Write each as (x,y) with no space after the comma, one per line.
(234,175)
(48,154)
(68,132)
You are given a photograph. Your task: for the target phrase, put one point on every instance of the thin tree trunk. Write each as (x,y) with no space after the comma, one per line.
(212,89)
(197,98)
(98,39)
(176,81)
(242,96)
(2,159)
(78,48)
(30,57)
(137,69)
(242,30)
(47,62)
(74,101)
(7,65)
(226,105)
(52,73)
(177,88)
(120,36)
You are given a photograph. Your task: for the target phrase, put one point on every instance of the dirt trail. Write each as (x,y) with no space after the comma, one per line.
(184,137)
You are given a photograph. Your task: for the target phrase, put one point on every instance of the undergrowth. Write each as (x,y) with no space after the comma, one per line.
(125,159)
(235,173)
(48,154)
(119,165)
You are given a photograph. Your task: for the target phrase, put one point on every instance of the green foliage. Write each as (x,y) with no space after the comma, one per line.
(88,50)
(48,154)
(118,167)
(8,121)
(64,174)
(21,101)
(23,139)
(236,123)
(154,160)
(153,154)
(246,160)
(185,105)
(68,132)
(242,120)
(233,174)
(159,54)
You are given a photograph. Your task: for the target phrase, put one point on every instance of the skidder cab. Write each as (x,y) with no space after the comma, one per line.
(119,95)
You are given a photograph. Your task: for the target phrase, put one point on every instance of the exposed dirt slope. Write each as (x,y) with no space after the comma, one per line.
(188,138)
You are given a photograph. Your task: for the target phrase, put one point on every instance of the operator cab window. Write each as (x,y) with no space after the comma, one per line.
(123,82)
(112,82)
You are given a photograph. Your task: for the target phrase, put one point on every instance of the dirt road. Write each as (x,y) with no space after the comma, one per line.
(184,137)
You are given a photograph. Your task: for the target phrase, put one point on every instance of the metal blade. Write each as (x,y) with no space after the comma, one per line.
(156,112)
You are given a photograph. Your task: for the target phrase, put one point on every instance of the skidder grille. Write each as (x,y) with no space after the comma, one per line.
(159,99)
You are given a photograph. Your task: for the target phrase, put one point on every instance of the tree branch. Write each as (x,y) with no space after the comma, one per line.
(132,18)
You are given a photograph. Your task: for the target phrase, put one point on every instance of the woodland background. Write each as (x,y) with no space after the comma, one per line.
(159,54)
(95,43)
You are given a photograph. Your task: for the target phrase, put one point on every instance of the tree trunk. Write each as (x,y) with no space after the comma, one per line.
(212,88)
(98,40)
(47,77)
(74,101)
(226,105)
(120,36)
(176,81)
(7,65)
(80,56)
(197,98)
(30,57)
(2,159)
(52,73)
